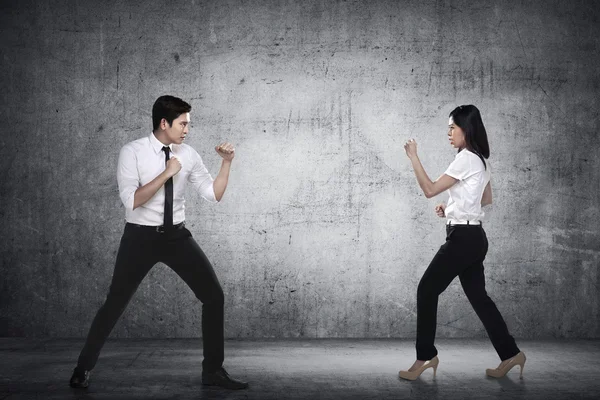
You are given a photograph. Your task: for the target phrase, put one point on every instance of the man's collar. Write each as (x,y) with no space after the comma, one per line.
(156,144)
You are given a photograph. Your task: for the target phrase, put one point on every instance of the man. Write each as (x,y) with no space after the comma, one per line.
(152,173)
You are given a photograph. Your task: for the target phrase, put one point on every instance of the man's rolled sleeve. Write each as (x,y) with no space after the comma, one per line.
(127,176)
(201,179)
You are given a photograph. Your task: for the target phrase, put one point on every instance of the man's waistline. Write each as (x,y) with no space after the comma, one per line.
(159,229)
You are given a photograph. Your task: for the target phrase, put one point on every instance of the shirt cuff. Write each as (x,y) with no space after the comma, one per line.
(453,175)
(211,196)
(128,200)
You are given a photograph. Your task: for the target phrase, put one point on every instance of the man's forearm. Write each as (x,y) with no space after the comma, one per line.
(220,182)
(145,193)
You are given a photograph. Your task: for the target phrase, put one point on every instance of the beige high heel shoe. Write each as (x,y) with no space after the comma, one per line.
(502,370)
(412,375)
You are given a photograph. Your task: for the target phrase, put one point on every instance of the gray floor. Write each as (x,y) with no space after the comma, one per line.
(298,369)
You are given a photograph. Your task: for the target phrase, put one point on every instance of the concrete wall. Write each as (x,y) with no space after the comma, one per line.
(323,231)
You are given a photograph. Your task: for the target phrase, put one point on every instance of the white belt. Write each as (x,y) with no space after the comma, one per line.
(462,222)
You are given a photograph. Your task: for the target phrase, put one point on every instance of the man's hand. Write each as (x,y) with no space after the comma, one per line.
(173,166)
(411,148)
(440,210)
(226,150)
(144,193)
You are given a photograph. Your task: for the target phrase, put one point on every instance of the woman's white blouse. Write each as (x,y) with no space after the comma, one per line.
(464,202)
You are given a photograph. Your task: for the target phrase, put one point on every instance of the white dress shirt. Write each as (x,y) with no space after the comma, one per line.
(464,202)
(143,160)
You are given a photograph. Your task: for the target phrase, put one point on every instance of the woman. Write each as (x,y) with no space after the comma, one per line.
(467,181)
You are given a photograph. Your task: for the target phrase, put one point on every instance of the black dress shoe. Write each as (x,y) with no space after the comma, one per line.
(80,378)
(221,378)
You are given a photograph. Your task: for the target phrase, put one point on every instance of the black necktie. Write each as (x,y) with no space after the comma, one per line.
(168,221)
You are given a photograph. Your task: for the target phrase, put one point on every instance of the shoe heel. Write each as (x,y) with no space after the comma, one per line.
(434,370)
(522,366)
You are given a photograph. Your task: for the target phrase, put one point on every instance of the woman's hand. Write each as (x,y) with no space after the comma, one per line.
(440,210)
(411,148)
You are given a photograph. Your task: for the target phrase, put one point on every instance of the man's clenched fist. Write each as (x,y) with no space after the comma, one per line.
(226,150)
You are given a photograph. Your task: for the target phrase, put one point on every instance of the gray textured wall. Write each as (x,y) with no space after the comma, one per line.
(323,231)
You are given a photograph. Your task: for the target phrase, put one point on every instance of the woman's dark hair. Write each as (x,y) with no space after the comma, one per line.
(469,120)
(169,108)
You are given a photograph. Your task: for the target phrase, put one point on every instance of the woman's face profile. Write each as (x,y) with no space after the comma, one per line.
(455,135)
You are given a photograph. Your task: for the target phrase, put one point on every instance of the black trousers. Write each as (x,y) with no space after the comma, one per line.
(140,249)
(462,255)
